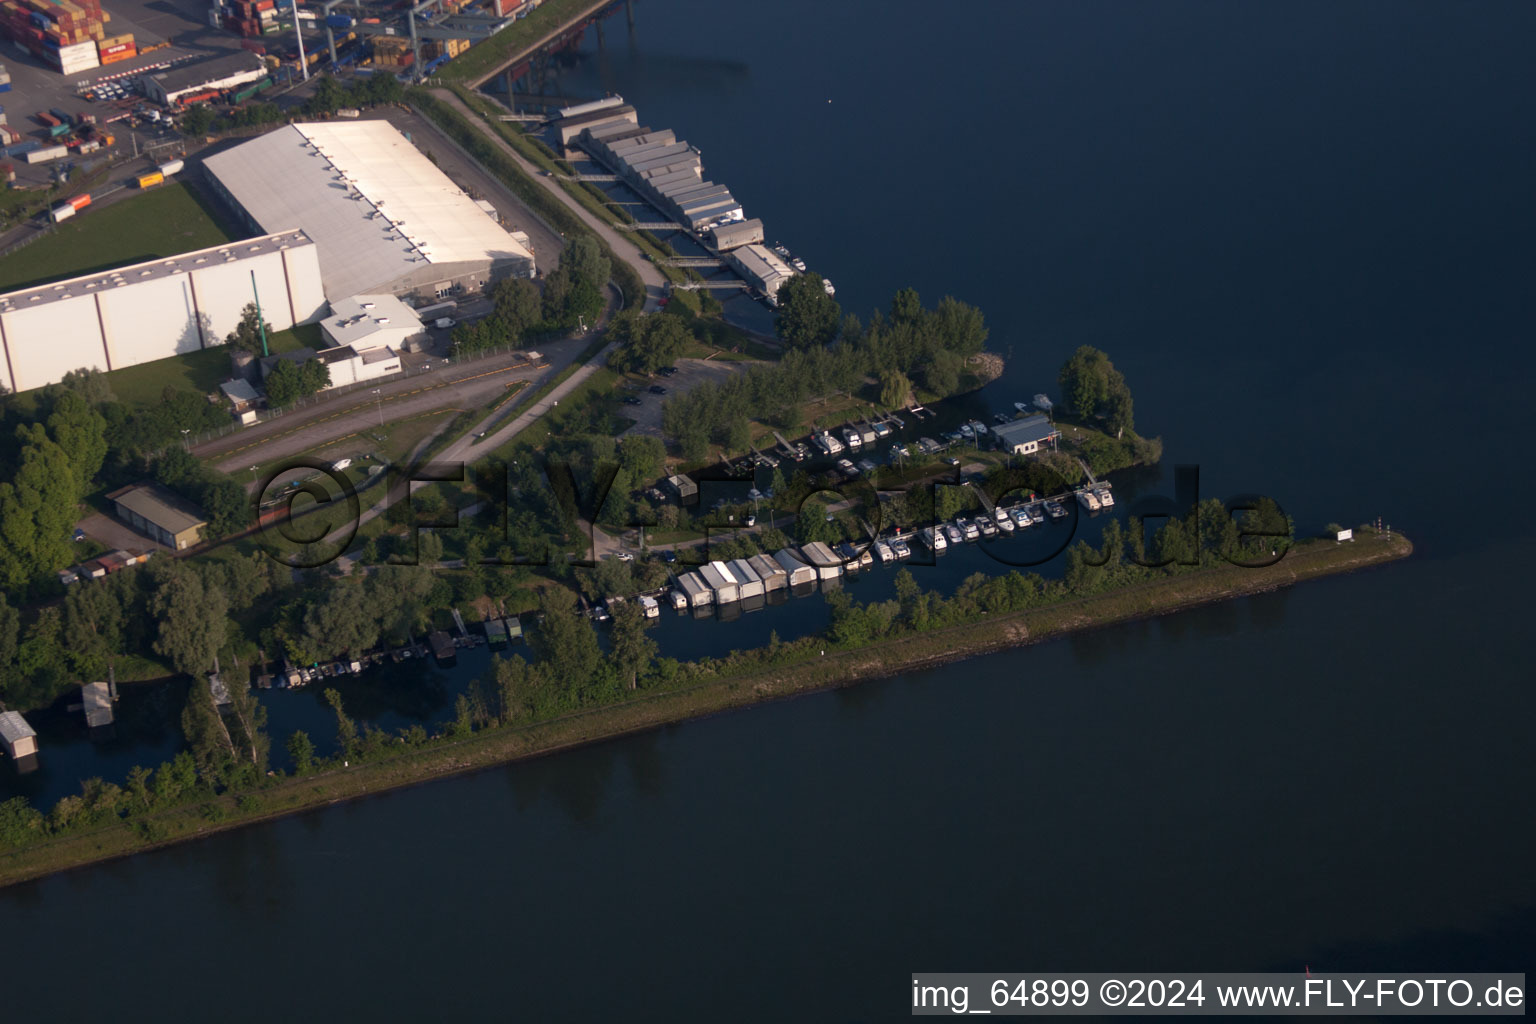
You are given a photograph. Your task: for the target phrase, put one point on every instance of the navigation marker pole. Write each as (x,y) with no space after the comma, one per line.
(261,325)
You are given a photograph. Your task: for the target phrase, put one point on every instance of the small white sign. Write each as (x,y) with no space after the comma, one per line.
(1345,535)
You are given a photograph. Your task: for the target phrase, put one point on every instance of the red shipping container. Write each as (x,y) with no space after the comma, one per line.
(107,51)
(80,202)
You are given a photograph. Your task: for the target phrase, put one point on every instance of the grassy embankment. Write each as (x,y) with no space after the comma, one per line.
(488,54)
(839,668)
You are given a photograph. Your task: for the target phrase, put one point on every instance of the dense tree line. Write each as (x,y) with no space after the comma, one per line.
(289,381)
(172,610)
(572,295)
(929,346)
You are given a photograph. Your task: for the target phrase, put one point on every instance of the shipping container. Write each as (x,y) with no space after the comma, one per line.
(62,212)
(168,169)
(80,202)
(46,119)
(22,147)
(45,153)
(150,179)
(58,130)
(339,21)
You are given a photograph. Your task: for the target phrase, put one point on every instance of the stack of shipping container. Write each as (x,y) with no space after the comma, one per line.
(115,48)
(392,51)
(62,32)
(251,17)
(5,79)
(431,49)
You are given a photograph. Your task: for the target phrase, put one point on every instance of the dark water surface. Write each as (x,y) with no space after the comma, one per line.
(1305,232)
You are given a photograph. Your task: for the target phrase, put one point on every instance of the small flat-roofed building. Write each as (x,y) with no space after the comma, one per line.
(797,571)
(19,738)
(828,565)
(719,579)
(163,516)
(747,580)
(698,593)
(685,487)
(772,574)
(96,701)
(570,128)
(761,267)
(243,399)
(371,321)
(1025,436)
(736,234)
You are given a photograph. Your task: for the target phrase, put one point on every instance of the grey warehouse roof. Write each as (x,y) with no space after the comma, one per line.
(377,208)
(1029,429)
(214,69)
(156,505)
(14,728)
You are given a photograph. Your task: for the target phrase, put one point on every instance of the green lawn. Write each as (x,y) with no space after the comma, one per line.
(162,222)
(143,385)
(295,338)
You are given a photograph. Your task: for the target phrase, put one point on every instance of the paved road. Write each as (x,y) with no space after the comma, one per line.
(624,248)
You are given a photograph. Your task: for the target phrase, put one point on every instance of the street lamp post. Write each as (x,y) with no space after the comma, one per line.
(185,441)
(380,400)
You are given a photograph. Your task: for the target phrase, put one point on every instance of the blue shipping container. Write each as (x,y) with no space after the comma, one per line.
(338,21)
(22,147)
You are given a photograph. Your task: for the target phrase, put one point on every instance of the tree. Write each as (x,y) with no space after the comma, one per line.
(248,333)
(808,316)
(517,309)
(301,750)
(287,383)
(37,509)
(642,457)
(192,620)
(585,260)
(81,431)
(326,98)
(895,390)
(651,342)
(251,715)
(631,650)
(346,729)
(1092,386)
(197,119)
(343,622)
(563,641)
(515,685)
(138,785)
(212,748)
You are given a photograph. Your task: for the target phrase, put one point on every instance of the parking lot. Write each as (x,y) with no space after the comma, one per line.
(690,373)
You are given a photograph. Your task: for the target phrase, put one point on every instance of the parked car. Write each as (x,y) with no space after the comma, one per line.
(631,400)
(667,371)
(657,389)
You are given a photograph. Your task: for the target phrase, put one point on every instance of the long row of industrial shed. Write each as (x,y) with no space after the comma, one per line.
(668,173)
(741,579)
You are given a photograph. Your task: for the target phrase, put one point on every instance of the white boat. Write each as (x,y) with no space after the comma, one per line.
(934,537)
(1106,499)
(1023,406)
(1020,516)
(883,550)
(966,431)
(853,437)
(1036,513)
(954,533)
(827,287)
(969,529)
(1088,500)
(988,527)
(1042,403)
(1054,510)
(901,549)
(649,606)
(1004,520)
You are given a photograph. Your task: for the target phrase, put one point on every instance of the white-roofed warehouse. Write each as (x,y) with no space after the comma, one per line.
(155,310)
(384,217)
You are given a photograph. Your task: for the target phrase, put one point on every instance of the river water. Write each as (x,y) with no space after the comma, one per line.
(1305,232)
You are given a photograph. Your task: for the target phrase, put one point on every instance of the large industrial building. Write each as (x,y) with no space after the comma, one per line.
(385,219)
(158,309)
(204,78)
